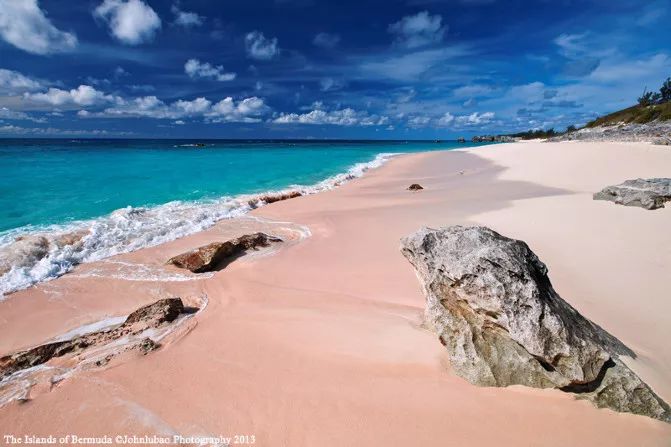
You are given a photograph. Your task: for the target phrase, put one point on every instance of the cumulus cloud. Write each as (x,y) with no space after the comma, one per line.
(248,110)
(197,69)
(24,25)
(132,21)
(342,117)
(14,82)
(475,119)
(259,47)
(418,30)
(84,95)
(326,40)
(450,120)
(185,18)
(446,119)
(419,121)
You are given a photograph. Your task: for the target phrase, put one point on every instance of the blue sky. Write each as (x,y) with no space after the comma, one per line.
(387,69)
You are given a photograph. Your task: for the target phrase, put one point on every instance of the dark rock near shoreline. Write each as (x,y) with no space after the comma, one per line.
(645,193)
(415,187)
(150,316)
(492,304)
(272,198)
(493,139)
(209,257)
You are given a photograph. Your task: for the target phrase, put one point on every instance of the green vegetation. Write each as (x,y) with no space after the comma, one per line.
(652,106)
(637,114)
(535,134)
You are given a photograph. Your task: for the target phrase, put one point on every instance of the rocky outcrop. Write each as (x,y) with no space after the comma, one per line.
(657,132)
(272,198)
(492,304)
(210,257)
(493,139)
(415,187)
(152,316)
(645,193)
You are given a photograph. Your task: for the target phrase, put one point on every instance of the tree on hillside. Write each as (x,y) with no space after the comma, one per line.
(649,98)
(665,91)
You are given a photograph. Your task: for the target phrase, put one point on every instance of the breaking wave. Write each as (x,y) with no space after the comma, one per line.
(30,255)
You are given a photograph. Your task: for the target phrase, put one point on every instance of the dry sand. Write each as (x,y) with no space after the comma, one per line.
(321,344)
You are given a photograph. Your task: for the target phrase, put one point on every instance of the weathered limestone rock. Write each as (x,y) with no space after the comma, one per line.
(415,187)
(272,198)
(646,193)
(492,304)
(151,316)
(208,257)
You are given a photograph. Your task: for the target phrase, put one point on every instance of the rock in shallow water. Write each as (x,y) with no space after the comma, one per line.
(208,257)
(645,193)
(492,304)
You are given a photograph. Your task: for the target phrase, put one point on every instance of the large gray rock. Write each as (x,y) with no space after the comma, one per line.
(646,193)
(492,304)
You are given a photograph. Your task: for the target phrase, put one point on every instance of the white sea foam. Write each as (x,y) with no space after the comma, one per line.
(130,229)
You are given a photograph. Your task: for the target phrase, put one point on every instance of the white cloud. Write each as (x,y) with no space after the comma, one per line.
(419,121)
(446,119)
(418,30)
(7,114)
(475,119)
(326,40)
(248,110)
(259,47)
(24,25)
(185,18)
(570,45)
(342,117)
(84,95)
(15,82)
(131,22)
(18,130)
(196,69)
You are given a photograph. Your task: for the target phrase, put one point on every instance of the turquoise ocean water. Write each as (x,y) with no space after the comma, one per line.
(128,194)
